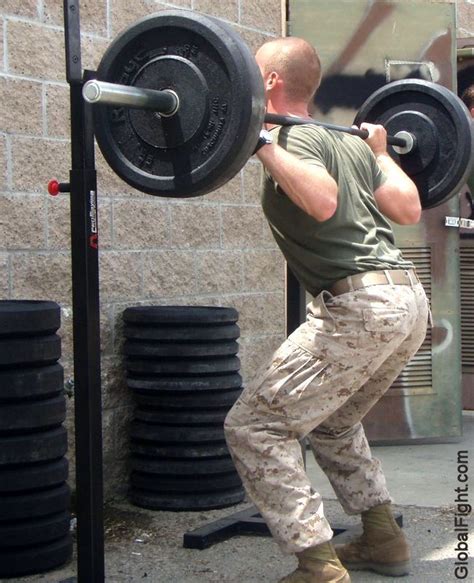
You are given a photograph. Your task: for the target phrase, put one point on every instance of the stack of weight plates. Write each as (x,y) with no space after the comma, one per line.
(182,367)
(34,496)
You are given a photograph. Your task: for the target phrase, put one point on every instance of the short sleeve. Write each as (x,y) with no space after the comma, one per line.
(305,142)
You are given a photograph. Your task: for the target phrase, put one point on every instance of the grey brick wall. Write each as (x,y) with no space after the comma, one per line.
(213,250)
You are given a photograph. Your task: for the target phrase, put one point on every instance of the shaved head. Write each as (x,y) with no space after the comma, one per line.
(296,62)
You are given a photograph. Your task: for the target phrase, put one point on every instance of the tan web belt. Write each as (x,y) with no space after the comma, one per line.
(386,277)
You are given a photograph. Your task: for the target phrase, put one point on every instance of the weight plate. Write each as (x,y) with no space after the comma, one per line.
(443,156)
(221,111)
(174,484)
(200,401)
(26,383)
(34,532)
(153,350)
(182,416)
(37,350)
(36,559)
(183,367)
(33,447)
(189,384)
(185,467)
(180,315)
(39,503)
(178,451)
(182,333)
(155,501)
(28,317)
(33,476)
(165,434)
(32,415)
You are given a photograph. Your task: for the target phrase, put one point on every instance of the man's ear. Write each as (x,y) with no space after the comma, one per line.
(271,81)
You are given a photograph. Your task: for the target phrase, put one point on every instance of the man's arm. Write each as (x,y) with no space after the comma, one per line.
(308,186)
(398,197)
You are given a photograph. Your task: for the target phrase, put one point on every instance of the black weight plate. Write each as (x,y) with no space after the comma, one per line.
(33,476)
(35,559)
(33,447)
(182,416)
(199,401)
(170,485)
(180,315)
(37,350)
(185,467)
(166,434)
(32,415)
(444,154)
(28,317)
(178,452)
(183,367)
(38,503)
(34,532)
(26,383)
(155,501)
(194,383)
(182,333)
(221,111)
(142,349)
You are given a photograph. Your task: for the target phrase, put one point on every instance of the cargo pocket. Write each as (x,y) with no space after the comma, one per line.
(387,322)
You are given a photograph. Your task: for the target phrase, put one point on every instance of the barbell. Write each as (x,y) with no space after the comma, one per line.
(179,105)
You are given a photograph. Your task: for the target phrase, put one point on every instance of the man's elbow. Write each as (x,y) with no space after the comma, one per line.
(323,210)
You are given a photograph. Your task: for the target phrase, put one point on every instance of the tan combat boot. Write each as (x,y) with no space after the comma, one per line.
(382,547)
(318,564)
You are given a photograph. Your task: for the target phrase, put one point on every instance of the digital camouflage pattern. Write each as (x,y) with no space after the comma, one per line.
(320,383)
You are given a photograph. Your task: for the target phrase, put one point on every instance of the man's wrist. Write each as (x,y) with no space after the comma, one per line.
(265,138)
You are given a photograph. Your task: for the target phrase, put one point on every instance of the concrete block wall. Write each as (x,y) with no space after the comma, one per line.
(213,250)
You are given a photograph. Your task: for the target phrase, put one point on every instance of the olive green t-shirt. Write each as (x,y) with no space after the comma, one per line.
(357,238)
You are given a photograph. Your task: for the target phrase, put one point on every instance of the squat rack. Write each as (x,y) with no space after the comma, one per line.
(82,187)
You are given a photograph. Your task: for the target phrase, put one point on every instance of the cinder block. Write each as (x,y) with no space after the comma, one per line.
(58,119)
(26,8)
(42,275)
(36,51)
(219,272)
(264,271)
(227,9)
(252,182)
(125,12)
(242,227)
(260,313)
(169,273)
(120,275)
(140,224)
(3,163)
(4,276)
(195,225)
(93,15)
(36,161)
(21,110)
(256,353)
(265,16)
(22,221)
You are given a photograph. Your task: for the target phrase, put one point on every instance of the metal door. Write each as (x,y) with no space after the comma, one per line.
(363,45)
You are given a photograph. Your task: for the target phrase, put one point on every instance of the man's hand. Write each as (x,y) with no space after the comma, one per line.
(377,140)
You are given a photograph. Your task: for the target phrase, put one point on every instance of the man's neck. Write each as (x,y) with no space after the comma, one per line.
(286,108)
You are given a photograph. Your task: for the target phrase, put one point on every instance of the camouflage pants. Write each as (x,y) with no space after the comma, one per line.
(320,383)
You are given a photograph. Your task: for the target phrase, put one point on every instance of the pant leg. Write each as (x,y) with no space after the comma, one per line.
(313,374)
(339,443)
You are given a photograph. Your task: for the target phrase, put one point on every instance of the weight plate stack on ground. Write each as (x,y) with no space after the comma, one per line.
(34,496)
(183,369)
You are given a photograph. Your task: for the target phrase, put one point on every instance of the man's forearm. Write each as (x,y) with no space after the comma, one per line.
(309,187)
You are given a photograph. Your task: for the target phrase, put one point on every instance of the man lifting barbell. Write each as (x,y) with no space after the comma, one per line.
(327,197)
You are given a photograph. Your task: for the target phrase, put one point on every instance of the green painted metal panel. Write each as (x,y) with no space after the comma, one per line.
(363,45)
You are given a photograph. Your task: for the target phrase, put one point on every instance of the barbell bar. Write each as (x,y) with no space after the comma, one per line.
(215,108)
(166,102)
